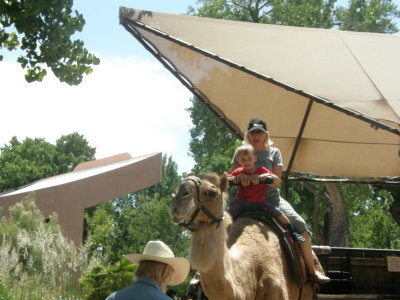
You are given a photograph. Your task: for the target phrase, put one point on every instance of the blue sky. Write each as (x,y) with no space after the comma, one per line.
(103,32)
(117,107)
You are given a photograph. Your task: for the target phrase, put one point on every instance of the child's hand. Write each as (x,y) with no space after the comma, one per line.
(236,179)
(244,179)
(267,178)
(263,176)
(255,179)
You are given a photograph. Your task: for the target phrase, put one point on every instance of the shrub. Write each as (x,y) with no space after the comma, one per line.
(36,260)
(104,279)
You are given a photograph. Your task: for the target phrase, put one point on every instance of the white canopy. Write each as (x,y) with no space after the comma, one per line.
(331,98)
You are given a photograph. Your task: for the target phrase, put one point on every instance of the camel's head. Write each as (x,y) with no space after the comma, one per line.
(193,193)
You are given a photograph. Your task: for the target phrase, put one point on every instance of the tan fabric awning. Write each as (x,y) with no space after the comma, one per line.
(92,183)
(331,98)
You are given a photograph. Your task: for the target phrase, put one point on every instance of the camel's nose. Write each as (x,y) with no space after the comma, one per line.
(184,191)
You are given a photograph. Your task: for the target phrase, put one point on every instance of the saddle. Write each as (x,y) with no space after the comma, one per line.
(291,249)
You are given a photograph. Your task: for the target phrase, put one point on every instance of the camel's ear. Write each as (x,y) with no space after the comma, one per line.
(224,182)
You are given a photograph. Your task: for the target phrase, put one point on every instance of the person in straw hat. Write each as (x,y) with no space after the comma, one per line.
(157,268)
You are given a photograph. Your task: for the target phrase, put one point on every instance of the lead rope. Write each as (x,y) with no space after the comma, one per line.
(300,292)
(178,236)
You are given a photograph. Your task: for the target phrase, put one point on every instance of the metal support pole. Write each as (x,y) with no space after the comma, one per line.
(296,146)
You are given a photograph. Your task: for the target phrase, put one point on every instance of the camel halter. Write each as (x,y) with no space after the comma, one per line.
(202,208)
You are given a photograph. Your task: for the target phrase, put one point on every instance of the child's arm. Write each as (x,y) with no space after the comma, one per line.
(255,179)
(235,179)
(275,184)
(245,179)
(234,176)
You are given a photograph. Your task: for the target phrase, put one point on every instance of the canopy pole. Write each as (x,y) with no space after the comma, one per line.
(296,146)
(372,181)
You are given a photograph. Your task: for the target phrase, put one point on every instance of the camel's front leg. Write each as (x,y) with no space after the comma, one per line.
(274,289)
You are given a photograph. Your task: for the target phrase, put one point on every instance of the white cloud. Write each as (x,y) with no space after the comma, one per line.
(125,105)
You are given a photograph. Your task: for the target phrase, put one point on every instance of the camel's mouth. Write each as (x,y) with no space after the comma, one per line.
(179,216)
(177,219)
(182,208)
(183,203)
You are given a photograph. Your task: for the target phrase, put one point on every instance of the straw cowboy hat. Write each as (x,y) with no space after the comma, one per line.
(159,251)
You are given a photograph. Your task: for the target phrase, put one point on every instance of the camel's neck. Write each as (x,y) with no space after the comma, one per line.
(210,255)
(208,248)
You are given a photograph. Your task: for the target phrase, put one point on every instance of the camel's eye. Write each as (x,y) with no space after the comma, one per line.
(211,193)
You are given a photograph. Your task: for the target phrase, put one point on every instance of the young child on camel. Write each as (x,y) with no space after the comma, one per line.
(253,191)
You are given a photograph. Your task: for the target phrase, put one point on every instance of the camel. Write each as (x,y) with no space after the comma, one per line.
(241,260)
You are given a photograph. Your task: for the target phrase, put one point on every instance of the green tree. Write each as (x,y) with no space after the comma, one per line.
(367,216)
(72,149)
(303,13)
(43,32)
(22,163)
(306,13)
(34,159)
(105,279)
(360,15)
(250,11)
(369,16)
(212,145)
(395,207)
(170,180)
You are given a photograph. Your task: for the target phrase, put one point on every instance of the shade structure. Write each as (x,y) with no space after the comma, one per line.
(331,98)
(91,183)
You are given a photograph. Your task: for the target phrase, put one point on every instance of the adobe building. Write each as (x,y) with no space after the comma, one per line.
(89,184)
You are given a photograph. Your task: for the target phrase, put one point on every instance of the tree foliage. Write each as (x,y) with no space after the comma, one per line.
(369,16)
(105,279)
(43,31)
(303,13)
(359,15)
(370,213)
(212,145)
(223,9)
(33,159)
(21,163)
(170,180)
(72,149)
(130,222)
